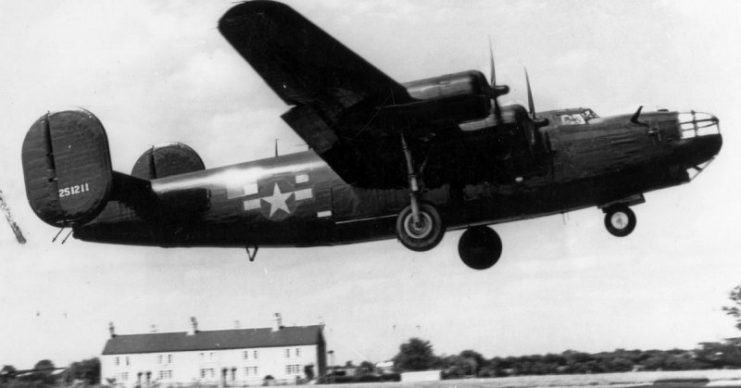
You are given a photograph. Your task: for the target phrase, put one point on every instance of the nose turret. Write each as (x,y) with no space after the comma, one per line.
(700,139)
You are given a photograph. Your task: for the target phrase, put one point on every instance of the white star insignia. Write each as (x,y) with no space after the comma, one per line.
(278,200)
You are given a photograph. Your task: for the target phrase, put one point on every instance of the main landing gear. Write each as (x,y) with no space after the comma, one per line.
(421,235)
(619,220)
(419,226)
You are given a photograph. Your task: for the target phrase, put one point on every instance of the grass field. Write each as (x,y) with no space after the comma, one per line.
(612,380)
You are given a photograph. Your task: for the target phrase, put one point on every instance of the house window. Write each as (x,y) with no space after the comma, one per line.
(116,360)
(246,354)
(293,369)
(159,359)
(254,354)
(165,374)
(298,352)
(169,358)
(127,360)
(250,371)
(125,376)
(207,373)
(288,353)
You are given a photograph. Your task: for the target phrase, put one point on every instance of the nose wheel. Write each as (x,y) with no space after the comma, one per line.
(620,220)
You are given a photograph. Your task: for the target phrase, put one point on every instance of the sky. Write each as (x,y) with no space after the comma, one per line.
(156,72)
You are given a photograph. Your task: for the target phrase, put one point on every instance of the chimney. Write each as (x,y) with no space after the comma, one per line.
(193,326)
(278,322)
(153,328)
(112,329)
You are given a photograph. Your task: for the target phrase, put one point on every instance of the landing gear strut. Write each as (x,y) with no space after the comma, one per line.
(419,226)
(480,247)
(619,220)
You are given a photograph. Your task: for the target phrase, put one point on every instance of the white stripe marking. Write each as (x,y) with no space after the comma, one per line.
(243,191)
(250,189)
(252,204)
(324,214)
(303,178)
(303,194)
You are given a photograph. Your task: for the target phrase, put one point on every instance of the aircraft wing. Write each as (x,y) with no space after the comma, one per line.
(347,110)
(300,62)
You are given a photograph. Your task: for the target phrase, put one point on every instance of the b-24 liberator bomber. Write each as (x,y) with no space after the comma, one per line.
(386,160)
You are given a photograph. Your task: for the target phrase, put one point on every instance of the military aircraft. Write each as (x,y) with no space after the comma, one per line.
(386,159)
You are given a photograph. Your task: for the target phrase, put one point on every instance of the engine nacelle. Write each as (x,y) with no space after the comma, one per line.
(467,83)
(67,167)
(455,97)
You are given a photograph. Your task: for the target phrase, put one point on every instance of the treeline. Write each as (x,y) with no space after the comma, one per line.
(45,374)
(417,354)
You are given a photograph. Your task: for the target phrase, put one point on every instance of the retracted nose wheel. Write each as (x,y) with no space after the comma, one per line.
(422,235)
(620,220)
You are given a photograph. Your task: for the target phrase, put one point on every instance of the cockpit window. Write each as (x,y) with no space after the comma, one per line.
(572,119)
(589,114)
(577,118)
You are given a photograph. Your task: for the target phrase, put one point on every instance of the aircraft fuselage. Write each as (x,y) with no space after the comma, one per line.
(297,200)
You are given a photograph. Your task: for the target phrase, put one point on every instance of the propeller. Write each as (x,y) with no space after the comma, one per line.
(531,104)
(11,222)
(495,90)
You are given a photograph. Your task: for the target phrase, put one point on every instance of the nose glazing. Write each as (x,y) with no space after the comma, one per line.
(700,138)
(694,124)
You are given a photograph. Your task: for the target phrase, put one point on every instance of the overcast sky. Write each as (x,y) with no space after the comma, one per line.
(156,72)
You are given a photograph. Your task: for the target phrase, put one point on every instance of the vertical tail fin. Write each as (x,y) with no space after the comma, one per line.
(67,167)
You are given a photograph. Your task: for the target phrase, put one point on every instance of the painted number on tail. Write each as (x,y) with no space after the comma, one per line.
(73,190)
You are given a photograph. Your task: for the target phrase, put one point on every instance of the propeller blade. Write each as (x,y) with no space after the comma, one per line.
(492,71)
(495,90)
(634,118)
(530,103)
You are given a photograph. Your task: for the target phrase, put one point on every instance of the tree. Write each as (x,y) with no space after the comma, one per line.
(416,354)
(309,372)
(475,359)
(7,373)
(735,309)
(86,370)
(366,368)
(44,366)
(721,354)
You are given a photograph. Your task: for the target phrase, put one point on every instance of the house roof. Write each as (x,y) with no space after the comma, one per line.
(214,340)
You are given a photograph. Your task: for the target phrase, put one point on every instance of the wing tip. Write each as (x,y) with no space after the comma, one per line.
(239,12)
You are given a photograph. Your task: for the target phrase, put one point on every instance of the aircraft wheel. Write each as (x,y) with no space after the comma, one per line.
(620,220)
(421,236)
(480,247)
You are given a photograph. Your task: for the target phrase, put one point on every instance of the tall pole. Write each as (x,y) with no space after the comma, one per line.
(6,210)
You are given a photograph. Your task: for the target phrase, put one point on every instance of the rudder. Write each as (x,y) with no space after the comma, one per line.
(67,167)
